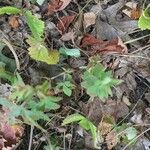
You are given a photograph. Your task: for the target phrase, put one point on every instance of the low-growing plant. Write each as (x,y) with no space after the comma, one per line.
(30,102)
(37,50)
(98,82)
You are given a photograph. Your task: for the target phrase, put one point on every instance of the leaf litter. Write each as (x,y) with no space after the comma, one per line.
(103,30)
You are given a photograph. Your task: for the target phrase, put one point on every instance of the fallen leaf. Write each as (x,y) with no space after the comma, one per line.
(53,6)
(68,36)
(105,128)
(100,46)
(89,19)
(111,140)
(13,22)
(134,12)
(10,134)
(65,3)
(89,40)
(64,23)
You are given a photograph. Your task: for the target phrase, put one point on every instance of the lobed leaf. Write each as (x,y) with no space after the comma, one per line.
(36,25)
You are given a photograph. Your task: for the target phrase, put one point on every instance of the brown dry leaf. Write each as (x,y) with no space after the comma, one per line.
(89,40)
(65,3)
(13,22)
(104,128)
(68,36)
(53,6)
(116,109)
(89,19)
(104,47)
(134,12)
(64,23)
(111,139)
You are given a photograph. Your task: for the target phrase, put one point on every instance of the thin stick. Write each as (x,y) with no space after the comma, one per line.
(31,136)
(135,138)
(134,40)
(13,52)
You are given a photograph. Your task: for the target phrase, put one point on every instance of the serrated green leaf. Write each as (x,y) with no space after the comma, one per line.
(9,10)
(36,25)
(39,52)
(144,20)
(70,52)
(72,118)
(48,103)
(98,82)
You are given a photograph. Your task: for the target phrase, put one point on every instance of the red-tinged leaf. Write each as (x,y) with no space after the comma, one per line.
(1,144)
(53,6)
(64,23)
(65,4)
(9,135)
(90,40)
(104,47)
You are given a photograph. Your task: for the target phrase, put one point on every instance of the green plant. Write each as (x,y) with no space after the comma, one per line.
(37,50)
(83,122)
(144,20)
(98,82)
(30,102)
(66,86)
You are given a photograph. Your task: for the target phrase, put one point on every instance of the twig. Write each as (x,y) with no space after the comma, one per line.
(31,136)
(134,40)
(135,138)
(13,52)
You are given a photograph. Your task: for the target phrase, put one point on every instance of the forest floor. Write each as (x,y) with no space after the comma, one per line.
(81,33)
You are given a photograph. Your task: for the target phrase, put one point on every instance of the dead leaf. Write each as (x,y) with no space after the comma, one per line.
(133,11)
(53,6)
(89,40)
(111,139)
(116,109)
(89,19)
(68,36)
(105,128)
(104,47)
(13,22)
(64,23)
(133,14)
(65,3)
(10,134)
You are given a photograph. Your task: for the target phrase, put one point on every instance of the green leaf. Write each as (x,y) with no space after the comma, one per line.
(39,52)
(93,130)
(48,103)
(70,52)
(144,20)
(9,10)
(98,82)
(84,123)
(67,90)
(5,74)
(131,133)
(72,118)
(22,93)
(40,2)
(36,25)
